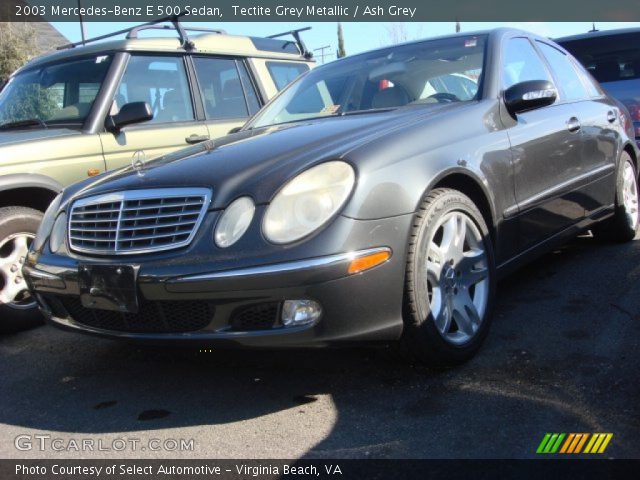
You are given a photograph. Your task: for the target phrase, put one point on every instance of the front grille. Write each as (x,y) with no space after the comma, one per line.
(262,316)
(137,221)
(152,317)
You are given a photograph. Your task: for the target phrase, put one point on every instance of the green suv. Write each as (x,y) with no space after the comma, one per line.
(84,110)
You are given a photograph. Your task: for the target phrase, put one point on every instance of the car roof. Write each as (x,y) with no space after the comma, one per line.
(208,43)
(599,33)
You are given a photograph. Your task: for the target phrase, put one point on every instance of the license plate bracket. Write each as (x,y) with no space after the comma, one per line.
(109,287)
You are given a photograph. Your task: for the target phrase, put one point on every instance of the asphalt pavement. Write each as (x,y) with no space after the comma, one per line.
(562,356)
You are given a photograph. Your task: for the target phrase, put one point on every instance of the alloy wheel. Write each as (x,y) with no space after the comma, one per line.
(457,278)
(630,194)
(13,287)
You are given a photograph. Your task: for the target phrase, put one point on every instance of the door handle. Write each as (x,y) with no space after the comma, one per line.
(573,125)
(611,116)
(196,138)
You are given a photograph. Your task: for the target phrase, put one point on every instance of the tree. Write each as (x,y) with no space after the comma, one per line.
(457,27)
(341,50)
(17,46)
(27,100)
(397,33)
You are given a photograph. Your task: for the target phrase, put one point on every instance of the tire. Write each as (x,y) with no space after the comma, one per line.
(16,224)
(447,314)
(623,225)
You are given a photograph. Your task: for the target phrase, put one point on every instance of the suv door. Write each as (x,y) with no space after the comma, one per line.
(162,82)
(228,94)
(597,117)
(546,144)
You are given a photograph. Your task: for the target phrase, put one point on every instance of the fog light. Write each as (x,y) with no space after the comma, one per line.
(300,312)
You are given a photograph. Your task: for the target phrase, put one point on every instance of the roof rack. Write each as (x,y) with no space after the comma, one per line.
(185,42)
(296,34)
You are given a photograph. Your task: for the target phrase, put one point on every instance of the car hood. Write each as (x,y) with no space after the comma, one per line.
(258,162)
(10,137)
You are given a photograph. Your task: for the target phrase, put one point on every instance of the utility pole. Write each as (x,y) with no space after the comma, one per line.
(322,55)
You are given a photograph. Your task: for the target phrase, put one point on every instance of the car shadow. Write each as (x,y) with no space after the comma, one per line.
(560,357)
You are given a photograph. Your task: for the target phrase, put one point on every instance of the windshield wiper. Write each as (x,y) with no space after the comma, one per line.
(365,111)
(330,115)
(23,123)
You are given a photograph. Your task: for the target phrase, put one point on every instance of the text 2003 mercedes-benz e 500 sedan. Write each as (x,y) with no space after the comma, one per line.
(375,199)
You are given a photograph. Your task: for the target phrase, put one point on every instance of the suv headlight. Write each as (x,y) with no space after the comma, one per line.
(44,230)
(308,201)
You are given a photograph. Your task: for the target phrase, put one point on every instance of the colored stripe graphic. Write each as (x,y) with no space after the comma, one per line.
(598,443)
(550,443)
(543,443)
(566,445)
(581,443)
(573,443)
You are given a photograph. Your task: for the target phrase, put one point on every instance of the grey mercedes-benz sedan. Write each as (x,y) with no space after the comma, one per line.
(376,199)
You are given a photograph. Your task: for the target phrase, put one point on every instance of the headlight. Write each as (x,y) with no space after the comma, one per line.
(308,201)
(47,224)
(234,222)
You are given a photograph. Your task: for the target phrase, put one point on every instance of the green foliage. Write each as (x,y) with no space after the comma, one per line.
(341,50)
(23,101)
(17,46)
(28,101)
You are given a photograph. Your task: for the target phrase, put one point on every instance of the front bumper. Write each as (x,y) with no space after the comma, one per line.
(364,307)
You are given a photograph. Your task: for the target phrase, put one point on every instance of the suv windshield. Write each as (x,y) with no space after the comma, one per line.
(433,71)
(60,94)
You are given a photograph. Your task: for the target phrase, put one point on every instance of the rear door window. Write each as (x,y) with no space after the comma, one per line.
(570,84)
(226,88)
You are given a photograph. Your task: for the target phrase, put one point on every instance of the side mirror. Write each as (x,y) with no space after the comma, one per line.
(134,112)
(529,95)
(234,130)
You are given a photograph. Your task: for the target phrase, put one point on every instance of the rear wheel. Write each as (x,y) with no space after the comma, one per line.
(450,281)
(622,227)
(18,309)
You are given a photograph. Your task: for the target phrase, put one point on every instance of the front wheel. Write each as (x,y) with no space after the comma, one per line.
(623,225)
(450,281)
(18,309)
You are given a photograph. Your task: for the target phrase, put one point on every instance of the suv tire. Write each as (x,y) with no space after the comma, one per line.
(18,227)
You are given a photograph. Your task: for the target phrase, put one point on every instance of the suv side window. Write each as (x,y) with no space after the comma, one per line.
(283,73)
(569,82)
(522,63)
(223,84)
(162,83)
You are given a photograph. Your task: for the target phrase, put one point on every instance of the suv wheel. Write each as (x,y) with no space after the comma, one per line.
(450,281)
(18,309)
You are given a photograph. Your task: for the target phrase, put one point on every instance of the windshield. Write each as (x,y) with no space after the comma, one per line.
(60,94)
(434,71)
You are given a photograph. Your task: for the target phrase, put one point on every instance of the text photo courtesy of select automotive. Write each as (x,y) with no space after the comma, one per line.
(188,210)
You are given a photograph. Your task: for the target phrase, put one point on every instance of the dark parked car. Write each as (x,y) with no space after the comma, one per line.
(613,58)
(358,205)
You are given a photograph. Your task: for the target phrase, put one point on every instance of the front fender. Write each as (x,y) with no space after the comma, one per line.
(29,180)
